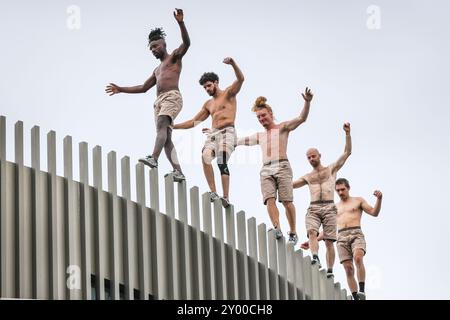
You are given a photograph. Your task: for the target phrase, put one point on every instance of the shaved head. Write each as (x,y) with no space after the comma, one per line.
(313,157)
(312,150)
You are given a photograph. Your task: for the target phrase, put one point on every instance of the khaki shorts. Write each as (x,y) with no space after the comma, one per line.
(221,140)
(168,104)
(348,240)
(277,176)
(324,214)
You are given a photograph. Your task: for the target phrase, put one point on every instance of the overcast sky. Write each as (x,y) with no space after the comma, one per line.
(380,65)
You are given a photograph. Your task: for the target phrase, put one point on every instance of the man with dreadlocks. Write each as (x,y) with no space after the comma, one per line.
(221,138)
(276,173)
(169,102)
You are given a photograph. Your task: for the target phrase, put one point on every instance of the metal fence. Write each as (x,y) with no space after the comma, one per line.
(64,239)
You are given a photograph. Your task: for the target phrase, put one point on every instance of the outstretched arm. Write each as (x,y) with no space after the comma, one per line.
(199,117)
(299,183)
(375,210)
(112,88)
(237,84)
(347,151)
(248,141)
(294,123)
(183,48)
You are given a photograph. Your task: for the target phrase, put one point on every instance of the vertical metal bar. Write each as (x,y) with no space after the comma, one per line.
(232,269)
(207,227)
(98,227)
(291,275)
(322,284)
(264,274)
(142,233)
(21,236)
(70,212)
(85,222)
(40,252)
(114,275)
(56,268)
(244,292)
(220,258)
(282,269)
(254,288)
(153,231)
(299,275)
(273,266)
(185,254)
(199,285)
(307,276)
(173,236)
(128,233)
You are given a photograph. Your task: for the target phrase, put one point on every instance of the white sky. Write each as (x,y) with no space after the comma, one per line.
(390,83)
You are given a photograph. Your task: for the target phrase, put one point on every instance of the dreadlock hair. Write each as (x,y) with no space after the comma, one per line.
(260,103)
(156,34)
(208,76)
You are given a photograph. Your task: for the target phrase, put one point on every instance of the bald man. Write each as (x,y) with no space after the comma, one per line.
(322,210)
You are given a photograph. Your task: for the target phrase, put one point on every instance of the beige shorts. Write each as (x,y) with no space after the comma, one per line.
(168,104)
(348,240)
(324,214)
(221,140)
(277,176)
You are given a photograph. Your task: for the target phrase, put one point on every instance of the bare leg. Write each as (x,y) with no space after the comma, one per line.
(170,151)
(350,273)
(290,214)
(330,253)
(313,243)
(207,157)
(360,269)
(225,185)
(274,214)
(162,123)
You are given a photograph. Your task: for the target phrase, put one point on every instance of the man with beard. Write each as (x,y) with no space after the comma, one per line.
(351,243)
(169,101)
(322,210)
(276,173)
(221,139)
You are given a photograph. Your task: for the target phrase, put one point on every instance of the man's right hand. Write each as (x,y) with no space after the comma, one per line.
(112,89)
(305,245)
(347,127)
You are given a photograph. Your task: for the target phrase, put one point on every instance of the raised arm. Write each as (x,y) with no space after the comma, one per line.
(248,141)
(112,88)
(299,183)
(183,48)
(347,151)
(237,84)
(294,123)
(199,117)
(373,211)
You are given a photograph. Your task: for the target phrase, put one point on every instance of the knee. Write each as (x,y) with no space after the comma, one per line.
(329,245)
(287,204)
(349,271)
(271,202)
(207,157)
(312,234)
(223,167)
(359,259)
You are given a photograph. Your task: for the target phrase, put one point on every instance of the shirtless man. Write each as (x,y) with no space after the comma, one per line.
(169,101)
(351,244)
(322,209)
(221,139)
(276,173)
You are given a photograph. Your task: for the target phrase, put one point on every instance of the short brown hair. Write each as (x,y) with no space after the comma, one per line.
(343,181)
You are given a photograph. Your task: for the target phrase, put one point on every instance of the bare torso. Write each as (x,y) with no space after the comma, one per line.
(222,110)
(273,143)
(167,75)
(349,213)
(321,183)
